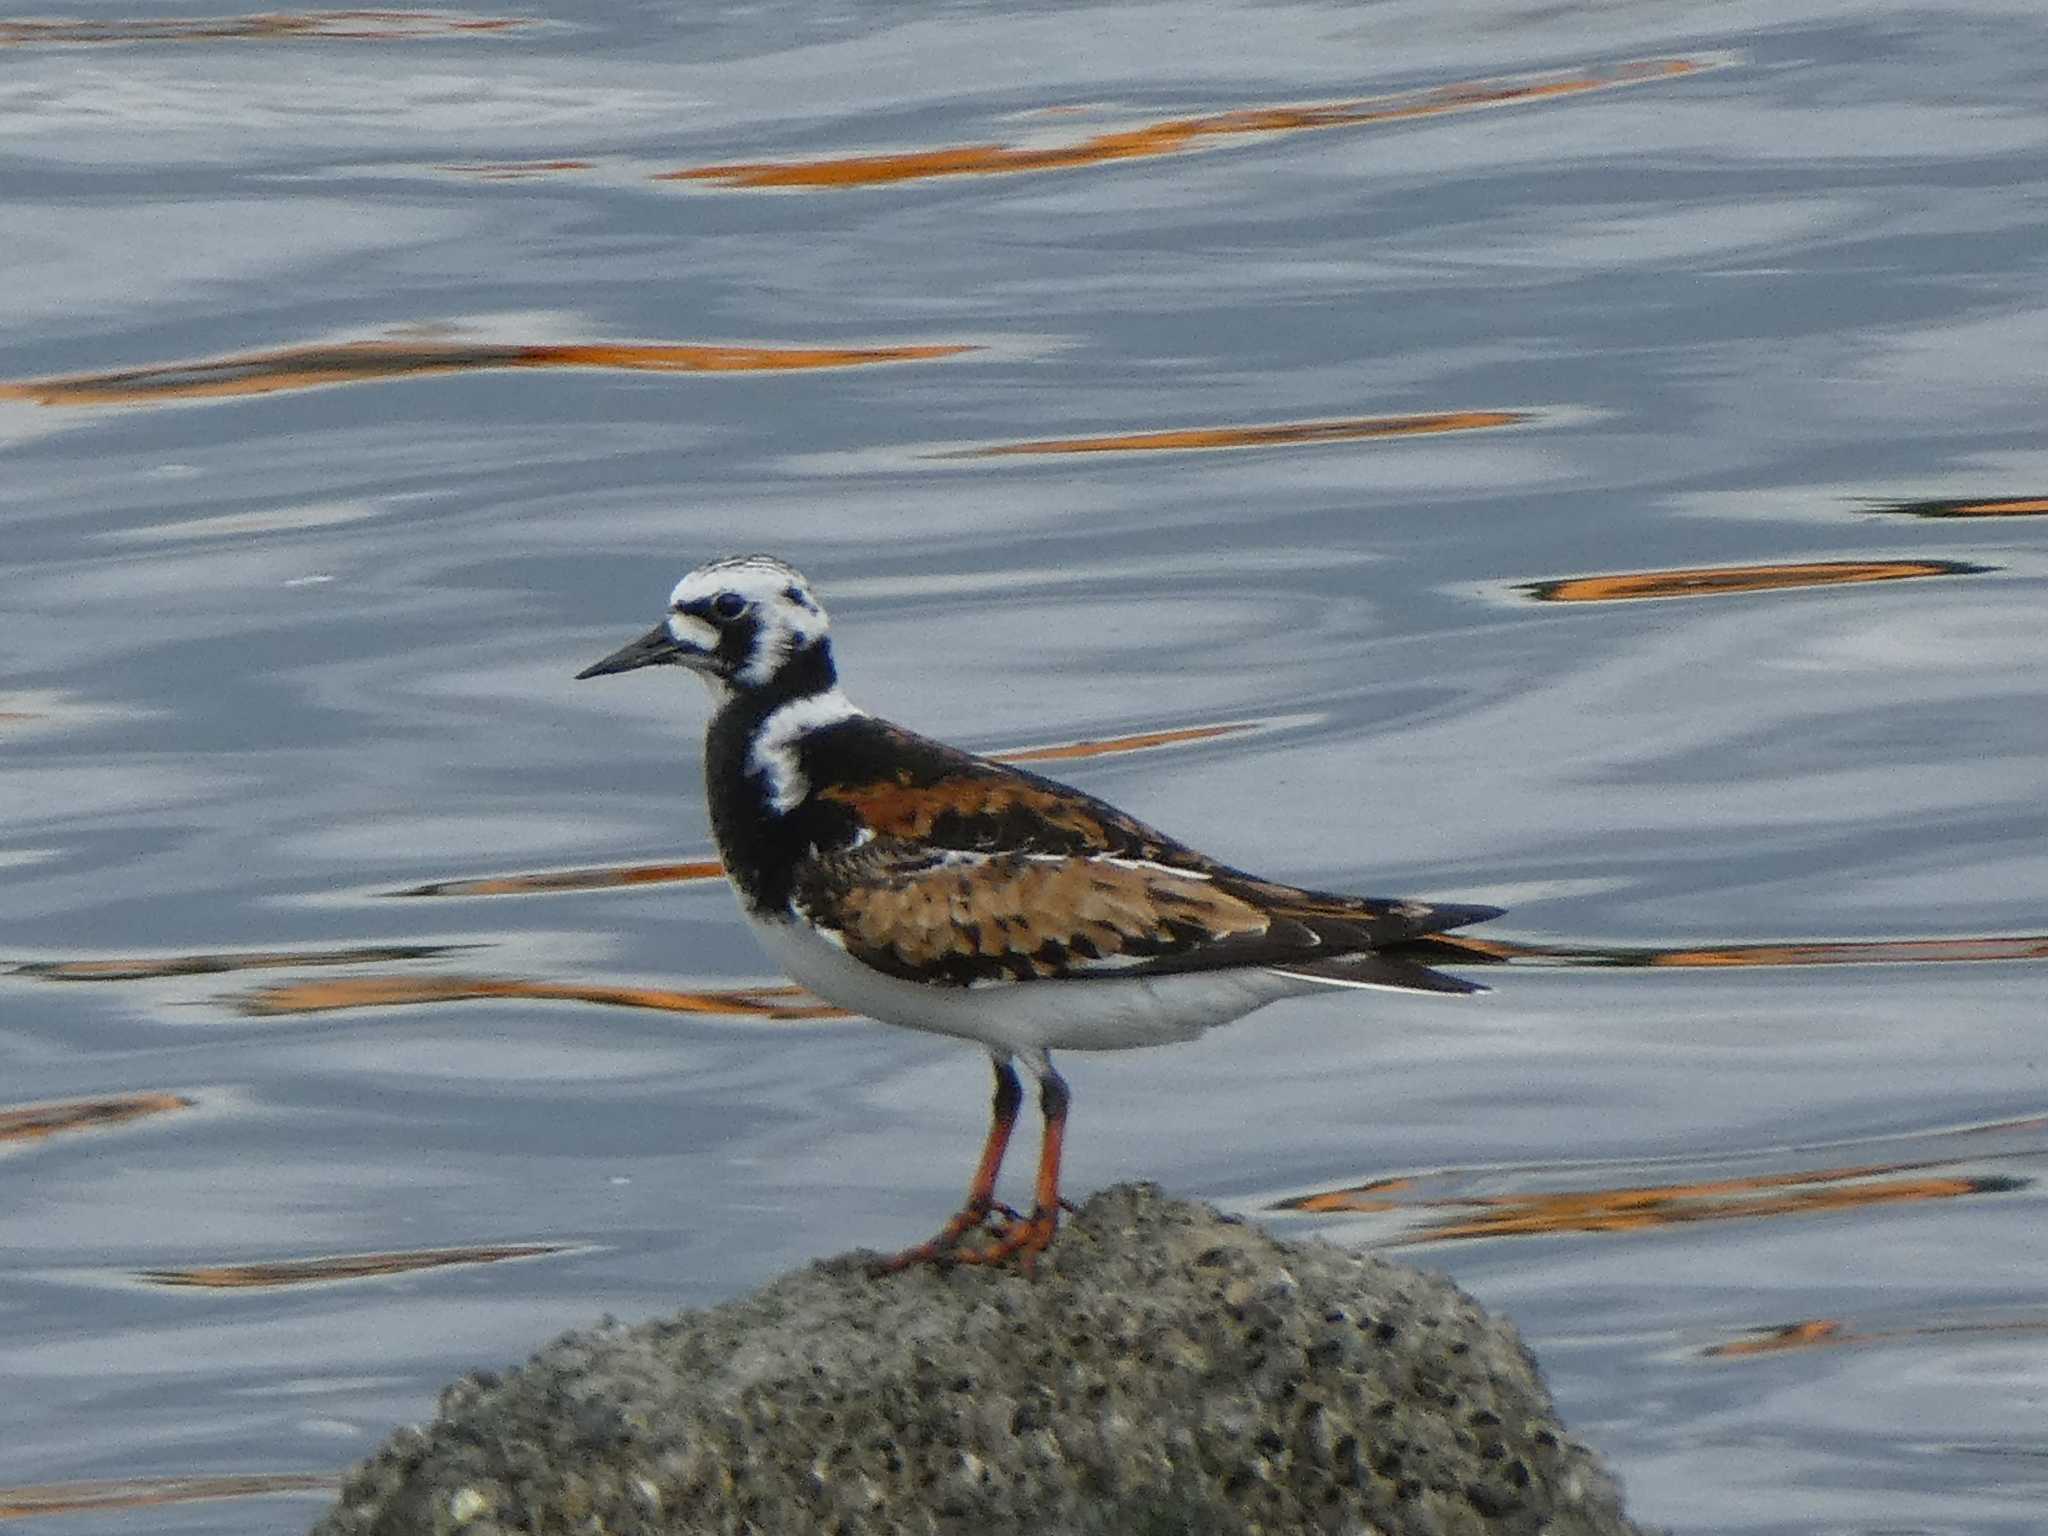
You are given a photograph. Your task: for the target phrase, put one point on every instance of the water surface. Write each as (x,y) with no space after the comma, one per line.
(1583,460)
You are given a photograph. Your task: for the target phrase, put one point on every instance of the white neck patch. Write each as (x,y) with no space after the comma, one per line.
(774,754)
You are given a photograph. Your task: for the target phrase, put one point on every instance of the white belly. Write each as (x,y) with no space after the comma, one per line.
(1096,1014)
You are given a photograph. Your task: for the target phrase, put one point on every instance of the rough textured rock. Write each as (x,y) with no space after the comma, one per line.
(1167,1371)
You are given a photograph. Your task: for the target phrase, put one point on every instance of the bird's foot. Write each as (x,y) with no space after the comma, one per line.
(1022,1240)
(944,1245)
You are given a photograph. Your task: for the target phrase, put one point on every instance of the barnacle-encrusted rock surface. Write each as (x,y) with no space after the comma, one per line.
(1168,1370)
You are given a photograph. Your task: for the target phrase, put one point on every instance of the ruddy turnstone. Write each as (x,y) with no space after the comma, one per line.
(924,886)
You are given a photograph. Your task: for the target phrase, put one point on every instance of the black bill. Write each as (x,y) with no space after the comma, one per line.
(655,648)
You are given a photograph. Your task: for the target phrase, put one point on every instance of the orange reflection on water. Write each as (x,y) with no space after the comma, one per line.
(399,991)
(375,26)
(1371,1196)
(34,1122)
(1870,952)
(272,1273)
(1721,581)
(600,878)
(2012,506)
(1638,1208)
(1461,948)
(517,170)
(1138,741)
(357,362)
(1831,1332)
(153,967)
(1805,1335)
(29,1499)
(1174,136)
(1278,434)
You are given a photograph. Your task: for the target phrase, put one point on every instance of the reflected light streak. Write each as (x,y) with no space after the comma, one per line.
(272,26)
(599,878)
(1175,136)
(154,967)
(1835,1332)
(1727,580)
(1138,741)
(356,362)
(1639,1208)
(35,1122)
(518,170)
(26,1500)
(273,1273)
(401,992)
(1282,434)
(1790,1336)
(2012,506)
(1464,950)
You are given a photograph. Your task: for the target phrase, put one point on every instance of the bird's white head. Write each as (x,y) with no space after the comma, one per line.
(746,625)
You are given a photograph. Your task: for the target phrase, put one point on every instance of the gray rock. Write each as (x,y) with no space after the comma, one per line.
(1168,1370)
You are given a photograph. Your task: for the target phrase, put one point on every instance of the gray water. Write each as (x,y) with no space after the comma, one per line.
(312,511)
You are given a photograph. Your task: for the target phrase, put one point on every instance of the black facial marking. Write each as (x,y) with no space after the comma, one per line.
(736,640)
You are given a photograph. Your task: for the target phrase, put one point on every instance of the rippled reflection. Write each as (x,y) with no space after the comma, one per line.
(45,710)
(1140,741)
(1466,950)
(1638,1209)
(33,1122)
(1834,1332)
(358,362)
(271,26)
(1279,434)
(270,1274)
(1174,136)
(404,992)
(2013,506)
(27,1499)
(1790,1336)
(152,967)
(598,878)
(518,170)
(1725,580)
(1463,1204)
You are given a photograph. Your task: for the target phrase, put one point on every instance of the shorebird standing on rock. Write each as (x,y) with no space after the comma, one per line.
(924,886)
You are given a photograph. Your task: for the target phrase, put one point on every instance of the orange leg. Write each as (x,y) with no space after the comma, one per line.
(981,1194)
(1025,1240)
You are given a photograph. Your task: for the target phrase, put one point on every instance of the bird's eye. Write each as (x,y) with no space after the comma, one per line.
(728,605)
